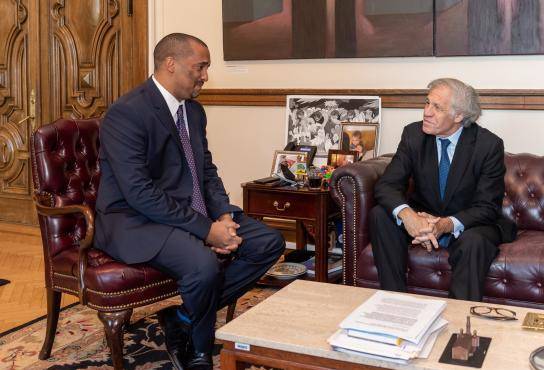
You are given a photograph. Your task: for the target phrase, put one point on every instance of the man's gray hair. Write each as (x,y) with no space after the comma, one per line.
(465,99)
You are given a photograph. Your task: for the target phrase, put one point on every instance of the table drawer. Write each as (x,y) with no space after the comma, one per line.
(281,204)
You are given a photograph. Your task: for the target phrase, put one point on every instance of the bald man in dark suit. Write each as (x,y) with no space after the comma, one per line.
(161,200)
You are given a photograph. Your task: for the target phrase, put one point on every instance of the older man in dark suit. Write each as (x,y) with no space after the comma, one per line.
(457,169)
(161,200)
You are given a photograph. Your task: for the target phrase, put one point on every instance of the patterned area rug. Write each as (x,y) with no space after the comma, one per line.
(80,343)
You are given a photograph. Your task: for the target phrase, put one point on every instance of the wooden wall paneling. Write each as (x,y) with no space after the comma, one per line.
(84,64)
(137,60)
(73,58)
(518,99)
(98,52)
(17,110)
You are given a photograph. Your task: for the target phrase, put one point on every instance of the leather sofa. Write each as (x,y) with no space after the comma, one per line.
(516,277)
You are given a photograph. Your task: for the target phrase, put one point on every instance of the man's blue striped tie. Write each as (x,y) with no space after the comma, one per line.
(443,170)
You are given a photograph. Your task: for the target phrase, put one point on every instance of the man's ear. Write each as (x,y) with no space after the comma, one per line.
(458,118)
(170,64)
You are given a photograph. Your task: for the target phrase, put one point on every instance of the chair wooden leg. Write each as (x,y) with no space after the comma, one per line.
(53,310)
(114,324)
(230,311)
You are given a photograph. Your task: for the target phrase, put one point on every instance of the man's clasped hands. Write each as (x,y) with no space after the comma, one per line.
(426,229)
(222,237)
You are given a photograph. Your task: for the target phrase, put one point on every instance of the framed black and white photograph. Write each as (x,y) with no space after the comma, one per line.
(286,161)
(360,137)
(317,120)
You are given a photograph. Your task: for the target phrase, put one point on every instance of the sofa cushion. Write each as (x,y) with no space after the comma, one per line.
(515,276)
(518,271)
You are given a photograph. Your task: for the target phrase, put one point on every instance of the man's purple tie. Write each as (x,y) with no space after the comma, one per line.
(197,202)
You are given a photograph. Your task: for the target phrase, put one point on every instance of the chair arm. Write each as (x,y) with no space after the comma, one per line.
(84,245)
(352,188)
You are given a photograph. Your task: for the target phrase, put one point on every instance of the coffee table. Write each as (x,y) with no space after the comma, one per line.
(289,330)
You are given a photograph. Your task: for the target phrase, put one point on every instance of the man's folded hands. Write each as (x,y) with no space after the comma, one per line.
(426,229)
(222,237)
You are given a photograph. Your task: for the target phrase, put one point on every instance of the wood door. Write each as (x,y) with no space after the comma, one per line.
(60,58)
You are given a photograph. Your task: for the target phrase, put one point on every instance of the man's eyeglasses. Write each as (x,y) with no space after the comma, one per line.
(493,313)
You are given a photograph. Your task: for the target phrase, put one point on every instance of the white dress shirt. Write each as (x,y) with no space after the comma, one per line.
(173,103)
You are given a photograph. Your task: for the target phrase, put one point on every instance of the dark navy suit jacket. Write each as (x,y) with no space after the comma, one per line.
(146,185)
(475,186)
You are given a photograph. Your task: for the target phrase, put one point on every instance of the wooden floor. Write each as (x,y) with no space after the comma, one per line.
(21,262)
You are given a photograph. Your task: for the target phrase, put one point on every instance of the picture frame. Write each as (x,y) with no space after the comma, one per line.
(338,158)
(361,137)
(468,27)
(317,119)
(278,29)
(310,149)
(288,160)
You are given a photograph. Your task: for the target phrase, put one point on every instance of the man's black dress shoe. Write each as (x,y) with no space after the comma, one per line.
(177,335)
(199,361)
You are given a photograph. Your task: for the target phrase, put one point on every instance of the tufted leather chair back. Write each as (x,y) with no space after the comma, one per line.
(524,197)
(65,171)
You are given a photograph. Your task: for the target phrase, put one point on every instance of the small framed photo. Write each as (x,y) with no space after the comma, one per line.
(361,137)
(286,161)
(310,149)
(338,158)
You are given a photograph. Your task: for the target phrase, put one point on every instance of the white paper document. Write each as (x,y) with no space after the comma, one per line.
(376,357)
(405,351)
(438,324)
(393,316)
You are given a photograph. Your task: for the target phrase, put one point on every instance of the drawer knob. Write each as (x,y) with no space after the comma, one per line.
(285,206)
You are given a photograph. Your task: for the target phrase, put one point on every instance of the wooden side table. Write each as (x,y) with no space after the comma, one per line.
(314,207)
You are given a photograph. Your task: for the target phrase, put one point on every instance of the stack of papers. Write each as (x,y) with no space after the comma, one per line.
(392,327)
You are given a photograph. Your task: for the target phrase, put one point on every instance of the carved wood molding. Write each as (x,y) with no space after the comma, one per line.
(391,98)
(89,50)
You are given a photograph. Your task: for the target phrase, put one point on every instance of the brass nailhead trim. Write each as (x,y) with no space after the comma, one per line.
(66,276)
(111,294)
(354,249)
(65,289)
(135,304)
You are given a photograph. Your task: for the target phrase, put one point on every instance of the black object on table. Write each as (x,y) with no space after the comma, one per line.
(4,282)
(476,360)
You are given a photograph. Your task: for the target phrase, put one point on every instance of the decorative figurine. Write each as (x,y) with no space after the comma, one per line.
(466,344)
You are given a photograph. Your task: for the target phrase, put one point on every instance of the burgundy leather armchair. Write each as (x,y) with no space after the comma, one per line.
(516,277)
(66,175)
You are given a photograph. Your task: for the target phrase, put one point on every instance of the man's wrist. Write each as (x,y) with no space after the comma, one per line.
(405,212)
(446,225)
(225,216)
